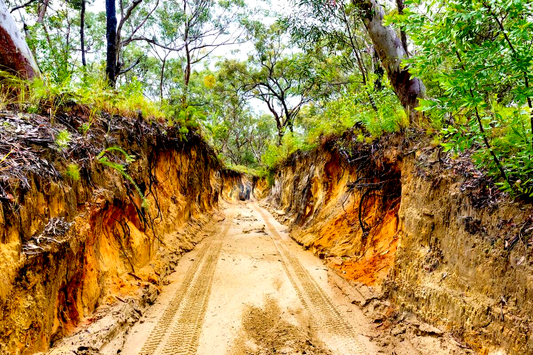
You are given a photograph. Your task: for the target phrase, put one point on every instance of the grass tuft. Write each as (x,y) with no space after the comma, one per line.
(73,172)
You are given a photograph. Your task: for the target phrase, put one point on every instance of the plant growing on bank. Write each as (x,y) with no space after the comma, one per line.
(48,97)
(63,138)
(353,108)
(73,172)
(103,159)
(476,59)
(276,153)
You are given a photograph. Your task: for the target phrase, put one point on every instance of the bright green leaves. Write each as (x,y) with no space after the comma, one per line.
(231,126)
(62,139)
(283,78)
(476,59)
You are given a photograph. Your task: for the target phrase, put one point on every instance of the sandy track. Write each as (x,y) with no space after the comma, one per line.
(245,274)
(327,318)
(178,329)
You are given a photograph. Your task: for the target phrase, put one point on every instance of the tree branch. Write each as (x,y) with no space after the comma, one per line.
(133,65)
(23,5)
(127,15)
(152,41)
(143,21)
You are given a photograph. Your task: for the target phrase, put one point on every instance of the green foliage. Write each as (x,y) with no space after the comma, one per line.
(104,159)
(63,138)
(307,94)
(314,70)
(73,172)
(283,79)
(247,170)
(185,117)
(85,128)
(229,122)
(191,30)
(130,100)
(477,62)
(354,107)
(508,141)
(277,153)
(53,47)
(43,95)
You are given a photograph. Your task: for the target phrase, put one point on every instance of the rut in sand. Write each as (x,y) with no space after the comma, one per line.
(245,273)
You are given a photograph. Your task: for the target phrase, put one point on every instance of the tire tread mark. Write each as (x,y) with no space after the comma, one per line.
(161,330)
(184,335)
(314,299)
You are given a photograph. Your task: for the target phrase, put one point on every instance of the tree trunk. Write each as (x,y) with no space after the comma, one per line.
(15,55)
(403,36)
(186,75)
(281,130)
(111,36)
(82,33)
(281,133)
(187,70)
(42,11)
(391,52)
(162,78)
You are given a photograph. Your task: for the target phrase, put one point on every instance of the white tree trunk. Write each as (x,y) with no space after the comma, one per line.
(15,55)
(391,52)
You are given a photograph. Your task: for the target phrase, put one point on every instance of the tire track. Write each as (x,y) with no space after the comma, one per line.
(160,330)
(187,327)
(180,325)
(314,299)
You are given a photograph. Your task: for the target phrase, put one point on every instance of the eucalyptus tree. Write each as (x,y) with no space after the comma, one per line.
(391,52)
(15,56)
(283,78)
(60,33)
(51,30)
(192,30)
(240,134)
(357,30)
(336,29)
(477,58)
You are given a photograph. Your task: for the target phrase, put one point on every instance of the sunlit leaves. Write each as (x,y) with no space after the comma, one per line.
(210,81)
(476,57)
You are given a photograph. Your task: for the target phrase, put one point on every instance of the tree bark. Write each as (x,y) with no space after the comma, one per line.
(15,55)
(403,36)
(281,133)
(391,52)
(42,11)
(82,33)
(111,36)
(162,78)
(187,73)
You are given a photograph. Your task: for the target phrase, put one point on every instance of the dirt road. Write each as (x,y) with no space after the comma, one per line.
(249,289)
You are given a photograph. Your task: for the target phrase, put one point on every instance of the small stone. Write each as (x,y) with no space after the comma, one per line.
(429,329)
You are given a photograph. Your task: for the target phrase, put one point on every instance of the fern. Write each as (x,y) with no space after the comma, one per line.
(63,138)
(104,160)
